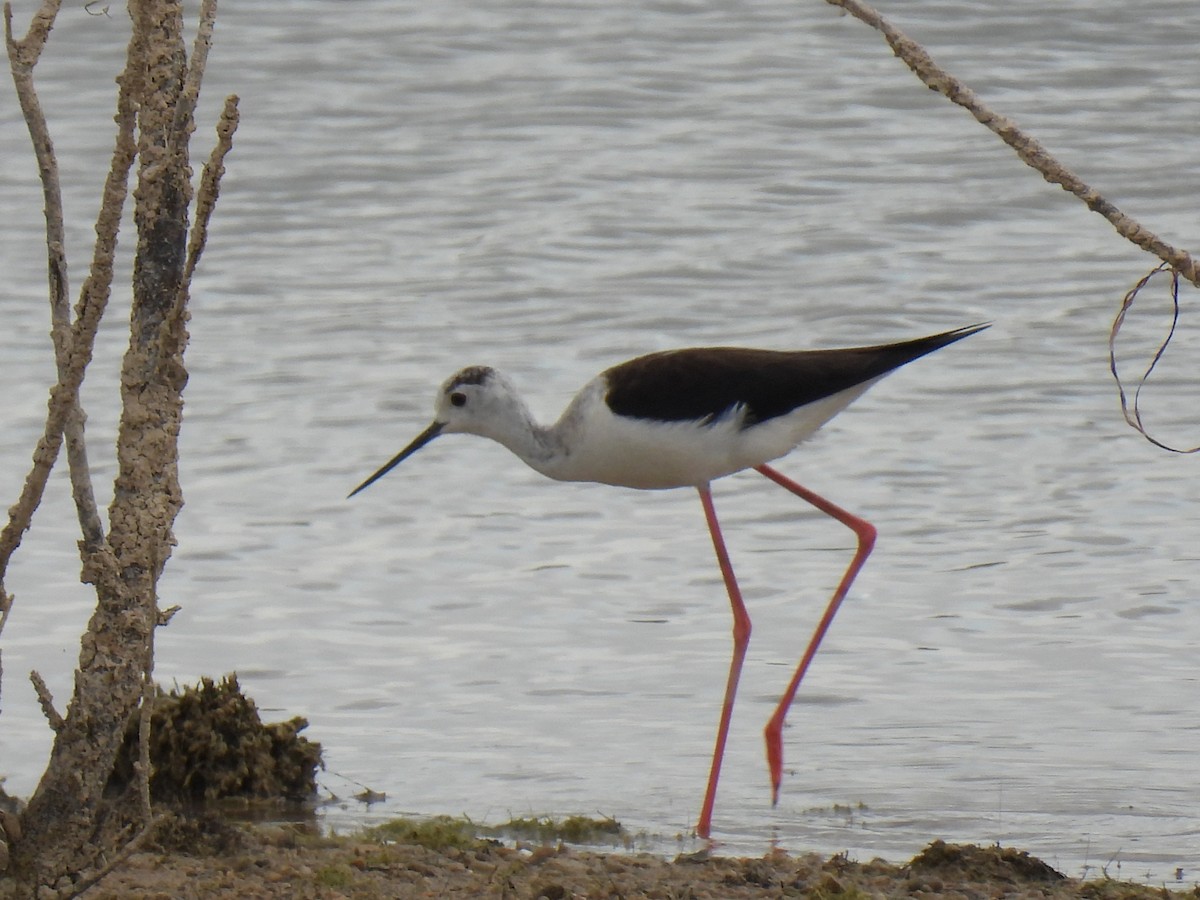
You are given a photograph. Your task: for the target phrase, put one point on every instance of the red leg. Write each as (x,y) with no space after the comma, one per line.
(866,540)
(741,637)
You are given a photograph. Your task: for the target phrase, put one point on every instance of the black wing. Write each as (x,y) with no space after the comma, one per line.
(707,382)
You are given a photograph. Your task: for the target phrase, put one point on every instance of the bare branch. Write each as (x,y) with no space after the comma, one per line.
(29,48)
(1031,152)
(46,699)
(90,309)
(183,123)
(210,185)
(72,346)
(23,57)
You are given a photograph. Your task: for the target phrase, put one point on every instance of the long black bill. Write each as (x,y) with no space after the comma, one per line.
(418,442)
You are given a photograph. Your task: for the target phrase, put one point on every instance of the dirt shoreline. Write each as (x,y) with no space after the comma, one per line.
(289,863)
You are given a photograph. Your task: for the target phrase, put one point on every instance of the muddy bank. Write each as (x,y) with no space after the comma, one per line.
(207,862)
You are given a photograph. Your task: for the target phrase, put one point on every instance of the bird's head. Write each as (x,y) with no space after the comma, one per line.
(477,400)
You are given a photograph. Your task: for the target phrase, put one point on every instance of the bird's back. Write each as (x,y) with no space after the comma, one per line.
(704,384)
(686,417)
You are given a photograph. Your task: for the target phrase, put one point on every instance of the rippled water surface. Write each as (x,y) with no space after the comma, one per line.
(551,188)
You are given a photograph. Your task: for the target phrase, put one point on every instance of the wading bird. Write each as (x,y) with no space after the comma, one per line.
(682,418)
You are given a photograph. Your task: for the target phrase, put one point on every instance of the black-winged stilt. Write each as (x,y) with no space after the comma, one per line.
(681,418)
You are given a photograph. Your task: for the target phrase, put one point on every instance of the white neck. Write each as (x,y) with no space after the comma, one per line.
(513,426)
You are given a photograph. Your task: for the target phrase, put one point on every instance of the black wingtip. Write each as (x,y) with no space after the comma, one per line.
(969,330)
(957,334)
(937,341)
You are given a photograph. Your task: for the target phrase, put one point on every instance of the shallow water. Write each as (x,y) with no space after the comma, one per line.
(551,188)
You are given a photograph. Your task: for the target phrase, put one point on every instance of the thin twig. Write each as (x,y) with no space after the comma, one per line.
(97,287)
(68,422)
(88,313)
(210,188)
(29,48)
(23,58)
(210,179)
(1031,152)
(46,699)
(185,109)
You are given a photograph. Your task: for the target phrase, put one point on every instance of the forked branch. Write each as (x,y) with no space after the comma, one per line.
(73,341)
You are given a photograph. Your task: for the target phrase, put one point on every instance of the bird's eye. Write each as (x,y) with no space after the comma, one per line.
(458,398)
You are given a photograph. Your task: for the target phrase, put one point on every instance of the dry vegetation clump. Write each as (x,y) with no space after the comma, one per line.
(208,743)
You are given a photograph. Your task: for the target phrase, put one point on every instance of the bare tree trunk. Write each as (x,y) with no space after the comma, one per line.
(68,833)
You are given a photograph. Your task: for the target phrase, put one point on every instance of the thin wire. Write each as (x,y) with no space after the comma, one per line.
(1134,417)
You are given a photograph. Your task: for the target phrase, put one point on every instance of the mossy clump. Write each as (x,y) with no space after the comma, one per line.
(446,832)
(571,830)
(208,743)
(437,833)
(975,863)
